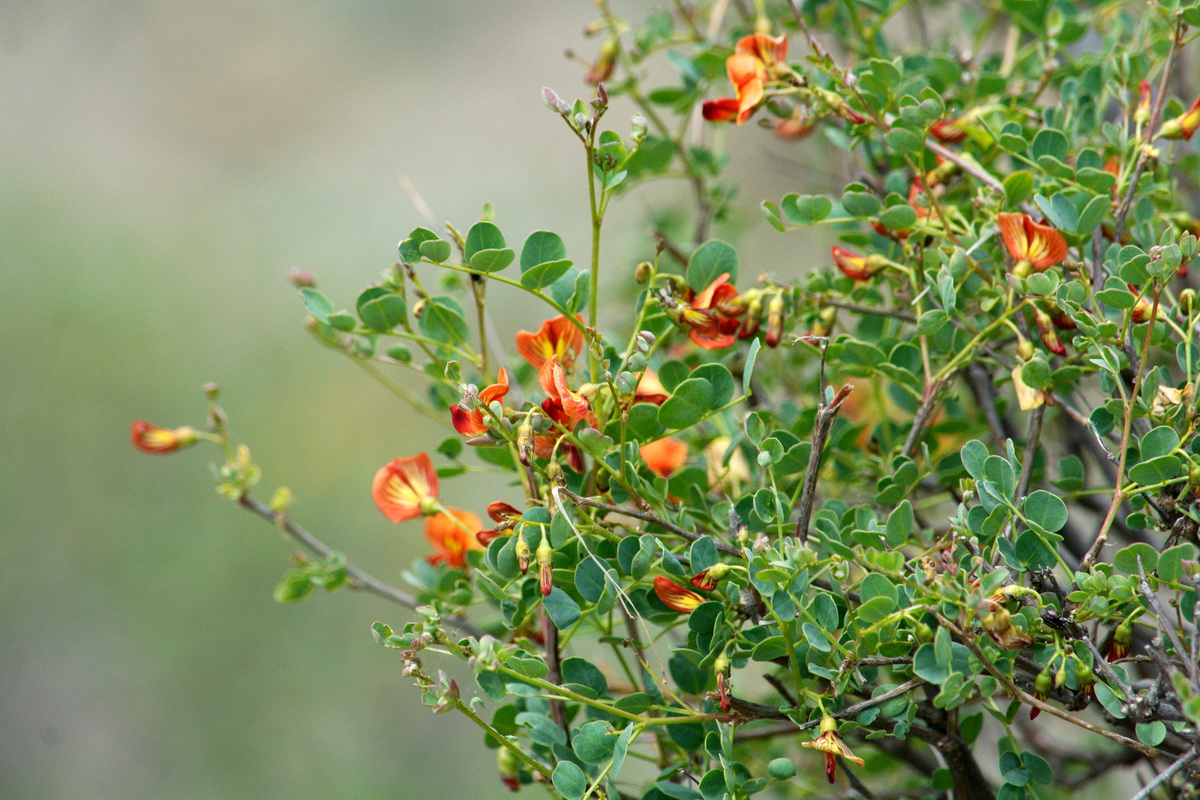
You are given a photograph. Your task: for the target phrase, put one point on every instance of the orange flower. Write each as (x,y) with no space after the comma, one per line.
(1035,247)
(557,337)
(1184,126)
(1050,338)
(574,405)
(452,535)
(919,200)
(1141,114)
(664,456)
(650,389)
(950,130)
(406,488)
(832,746)
(504,515)
(797,126)
(852,265)
(471,423)
(712,315)
(674,596)
(707,580)
(755,60)
(153,439)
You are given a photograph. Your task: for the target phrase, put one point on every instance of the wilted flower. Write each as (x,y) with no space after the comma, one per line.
(452,534)
(726,478)
(1121,641)
(471,423)
(797,126)
(674,596)
(998,624)
(664,456)
(1028,398)
(406,488)
(1035,247)
(832,746)
(755,60)
(557,337)
(1141,114)
(153,439)
(1049,335)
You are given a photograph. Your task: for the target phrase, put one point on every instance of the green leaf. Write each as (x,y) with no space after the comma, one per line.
(1159,442)
(904,141)
(1126,559)
(1151,733)
(594,743)
(590,578)
(1017,187)
(781,768)
(317,304)
(443,321)
(541,247)
(899,524)
(621,749)
(926,666)
(1156,470)
(721,379)
(410,248)
(563,611)
(379,309)
(436,251)
(1049,142)
(709,261)
(1092,214)
(974,453)
(1170,563)
(484,248)
(860,204)
(1059,210)
(570,781)
(690,402)
(541,729)
(540,276)
(1046,510)
(898,217)
(770,213)
(806,209)
(748,369)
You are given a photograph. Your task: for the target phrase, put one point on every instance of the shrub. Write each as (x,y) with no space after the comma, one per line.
(891,511)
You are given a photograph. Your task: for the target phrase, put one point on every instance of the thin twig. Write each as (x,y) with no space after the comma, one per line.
(1188,756)
(826,414)
(1163,625)
(357,580)
(646,516)
(924,412)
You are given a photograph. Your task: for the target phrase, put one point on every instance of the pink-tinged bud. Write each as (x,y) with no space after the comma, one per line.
(1049,335)
(1143,308)
(602,67)
(554,102)
(1141,115)
(674,596)
(301,278)
(1184,126)
(721,669)
(852,265)
(160,441)
(522,551)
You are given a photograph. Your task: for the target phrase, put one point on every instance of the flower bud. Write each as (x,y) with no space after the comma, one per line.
(638,123)
(554,102)
(643,272)
(774,320)
(521,548)
(301,278)
(544,557)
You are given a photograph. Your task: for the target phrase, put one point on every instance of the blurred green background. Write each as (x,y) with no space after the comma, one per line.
(165,164)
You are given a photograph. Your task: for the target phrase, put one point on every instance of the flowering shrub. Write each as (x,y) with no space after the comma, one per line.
(944,483)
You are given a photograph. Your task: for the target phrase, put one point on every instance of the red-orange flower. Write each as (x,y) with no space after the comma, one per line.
(1035,247)
(832,746)
(650,389)
(712,315)
(950,130)
(1184,126)
(471,423)
(918,198)
(852,265)
(797,126)
(674,596)
(406,488)
(754,60)
(452,535)
(153,439)
(574,405)
(707,580)
(557,337)
(664,456)
(504,515)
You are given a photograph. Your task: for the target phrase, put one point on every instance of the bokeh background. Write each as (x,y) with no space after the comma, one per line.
(165,164)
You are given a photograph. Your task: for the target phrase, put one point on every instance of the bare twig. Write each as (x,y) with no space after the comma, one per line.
(1164,625)
(357,579)
(1188,756)
(924,412)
